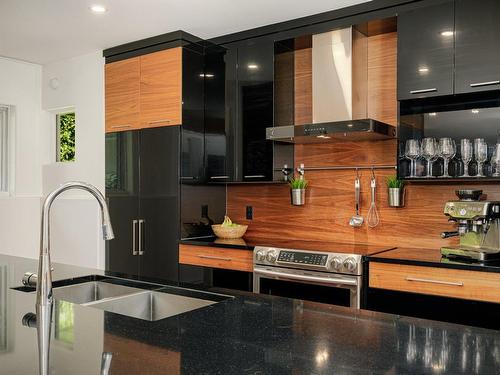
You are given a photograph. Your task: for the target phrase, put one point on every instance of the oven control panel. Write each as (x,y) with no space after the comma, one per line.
(320,261)
(302,258)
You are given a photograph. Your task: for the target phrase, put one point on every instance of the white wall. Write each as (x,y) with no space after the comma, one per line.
(20,86)
(76,237)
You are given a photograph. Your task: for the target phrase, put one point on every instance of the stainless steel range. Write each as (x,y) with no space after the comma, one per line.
(328,277)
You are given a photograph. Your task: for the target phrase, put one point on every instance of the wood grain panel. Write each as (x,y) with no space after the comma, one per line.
(122,95)
(136,358)
(216,257)
(161,88)
(303,86)
(471,285)
(382,78)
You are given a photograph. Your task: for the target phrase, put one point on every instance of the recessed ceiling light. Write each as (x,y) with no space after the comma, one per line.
(423,69)
(96,8)
(433,114)
(447,33)
(252,66)
(475,111)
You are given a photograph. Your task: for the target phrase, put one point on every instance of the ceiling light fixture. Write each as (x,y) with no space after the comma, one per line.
(475,111)
(423,69)
(447,33)
(252,66)
(99,9)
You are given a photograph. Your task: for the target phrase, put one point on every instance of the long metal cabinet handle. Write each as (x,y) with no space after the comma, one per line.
(324,280)
(215,257)
(255,176)
(159,121)
(141,237)
(423,91)
(120,126)
(453,283)
(134,237)
(218,177)
(488,83)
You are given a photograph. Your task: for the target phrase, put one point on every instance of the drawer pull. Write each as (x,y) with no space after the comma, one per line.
(488,83)
(120,126)
(423,91)
(255,176)
(159,121)
(218,177)
(215,258)
(453,283)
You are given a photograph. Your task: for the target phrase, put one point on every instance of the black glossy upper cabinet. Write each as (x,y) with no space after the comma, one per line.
(249,110)
(477,52)
(426,51)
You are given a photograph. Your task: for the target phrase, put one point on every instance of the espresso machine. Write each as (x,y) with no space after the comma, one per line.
(478,226)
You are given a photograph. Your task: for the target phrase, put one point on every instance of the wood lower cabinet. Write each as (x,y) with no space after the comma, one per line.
(454,283)
(122,87)
(216,257)
(161,88)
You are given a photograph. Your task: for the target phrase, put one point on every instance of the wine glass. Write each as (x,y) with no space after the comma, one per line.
(447,150)
(466,151)
(412,152)
(481,154)
(429,153)
(495,161)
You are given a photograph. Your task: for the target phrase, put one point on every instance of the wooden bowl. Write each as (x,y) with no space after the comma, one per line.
(229,232)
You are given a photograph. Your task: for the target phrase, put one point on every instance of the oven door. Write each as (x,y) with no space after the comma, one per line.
(336,289)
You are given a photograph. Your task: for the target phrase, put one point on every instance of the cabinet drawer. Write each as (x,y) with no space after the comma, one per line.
(240,260)
(472,285)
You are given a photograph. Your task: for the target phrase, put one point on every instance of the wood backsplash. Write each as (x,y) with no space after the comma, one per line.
(330,202)
(330,196)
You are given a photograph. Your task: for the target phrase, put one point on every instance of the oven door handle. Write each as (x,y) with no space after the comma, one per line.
(325,280)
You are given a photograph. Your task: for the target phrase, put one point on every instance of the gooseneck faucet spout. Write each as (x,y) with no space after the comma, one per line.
(44,298)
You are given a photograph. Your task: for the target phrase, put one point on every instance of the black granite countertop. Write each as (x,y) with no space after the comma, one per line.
(430,258)
(247,334)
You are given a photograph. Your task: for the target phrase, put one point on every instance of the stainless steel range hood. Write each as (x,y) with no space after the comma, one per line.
(357,130)
(338,104)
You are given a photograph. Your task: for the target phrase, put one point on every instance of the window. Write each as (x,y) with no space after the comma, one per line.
(65,137)
(4,148)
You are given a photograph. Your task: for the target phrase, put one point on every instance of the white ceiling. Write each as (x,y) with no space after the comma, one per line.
(42,31)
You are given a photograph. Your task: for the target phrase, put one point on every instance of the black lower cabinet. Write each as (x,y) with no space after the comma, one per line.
(215,278)
(142,189)
(452,310)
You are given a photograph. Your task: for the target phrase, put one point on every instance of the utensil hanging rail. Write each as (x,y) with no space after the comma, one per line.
(336,168)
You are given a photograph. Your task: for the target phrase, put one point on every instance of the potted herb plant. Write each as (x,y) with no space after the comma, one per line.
(298,190)
(395,191)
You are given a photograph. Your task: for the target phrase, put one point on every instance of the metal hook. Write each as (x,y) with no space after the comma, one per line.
(357,173)
(373,172)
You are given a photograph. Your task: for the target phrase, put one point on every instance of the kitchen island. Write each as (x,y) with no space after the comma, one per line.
(247,334)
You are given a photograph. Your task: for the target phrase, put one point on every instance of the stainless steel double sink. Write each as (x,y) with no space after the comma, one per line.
(132,301)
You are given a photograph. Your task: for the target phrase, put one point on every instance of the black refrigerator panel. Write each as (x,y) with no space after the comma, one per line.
(193,140)
(256,112)
(477,56)
(122,194)
(426,51)
(159,202)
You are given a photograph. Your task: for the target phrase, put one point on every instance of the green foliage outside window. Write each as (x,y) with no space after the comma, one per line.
(66,140)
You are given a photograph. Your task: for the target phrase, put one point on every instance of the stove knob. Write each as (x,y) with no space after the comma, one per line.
(272,255)
(350,264)
(260,255)
(336,263)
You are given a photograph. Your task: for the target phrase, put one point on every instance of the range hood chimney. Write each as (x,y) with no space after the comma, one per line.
(339,93)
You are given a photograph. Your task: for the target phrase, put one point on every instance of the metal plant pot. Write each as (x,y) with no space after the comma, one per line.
(396,197)
(298,197)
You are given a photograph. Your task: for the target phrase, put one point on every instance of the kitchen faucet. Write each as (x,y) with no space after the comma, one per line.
(43,278)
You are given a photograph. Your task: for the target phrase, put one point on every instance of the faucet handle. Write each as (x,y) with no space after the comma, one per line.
(30,279)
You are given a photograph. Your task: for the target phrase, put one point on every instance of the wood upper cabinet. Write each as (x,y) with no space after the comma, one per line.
(426,51)
(477,56)
(122,86)
(144,91)
(161,88)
